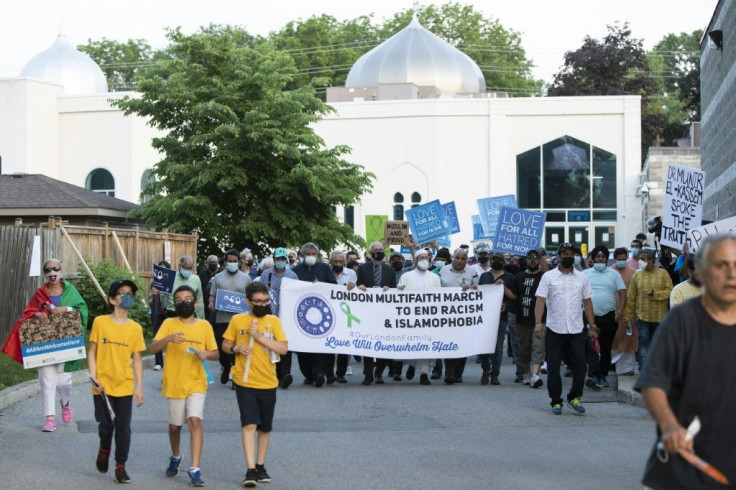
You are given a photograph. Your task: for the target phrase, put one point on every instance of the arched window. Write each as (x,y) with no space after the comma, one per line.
(102,181)
(416,199)
(146,179)
(398,207)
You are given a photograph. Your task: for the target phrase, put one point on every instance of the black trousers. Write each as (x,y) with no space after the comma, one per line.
(607,331)
(226,359)
(556,343)
(372,366)
(454,368)
(120,428)
(312,365)
(342,365)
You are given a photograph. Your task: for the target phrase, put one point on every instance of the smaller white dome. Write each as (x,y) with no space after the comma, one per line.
(63,64)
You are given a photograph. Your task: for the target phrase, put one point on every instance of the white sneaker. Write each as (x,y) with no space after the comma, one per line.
(525,379)
(349,371)
(156,367)
(544,368)
(535,381)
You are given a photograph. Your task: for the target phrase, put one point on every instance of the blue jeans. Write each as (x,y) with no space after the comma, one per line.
(646,332)
(485,359)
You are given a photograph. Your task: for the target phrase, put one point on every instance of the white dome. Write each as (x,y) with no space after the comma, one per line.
(63,64)
(415,55)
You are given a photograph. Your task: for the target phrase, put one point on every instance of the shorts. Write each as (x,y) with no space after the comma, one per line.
(256,407)
(539,350)
(180,409)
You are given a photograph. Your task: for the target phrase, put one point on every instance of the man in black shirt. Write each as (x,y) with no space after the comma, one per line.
(689,372)
(493,276)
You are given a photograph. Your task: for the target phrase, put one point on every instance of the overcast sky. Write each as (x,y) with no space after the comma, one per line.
(548,28)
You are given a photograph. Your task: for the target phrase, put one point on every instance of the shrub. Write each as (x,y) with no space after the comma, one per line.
(106,272)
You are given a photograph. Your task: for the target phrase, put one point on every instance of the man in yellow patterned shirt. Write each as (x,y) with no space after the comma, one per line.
(184,382)
(257,340)
(647,301)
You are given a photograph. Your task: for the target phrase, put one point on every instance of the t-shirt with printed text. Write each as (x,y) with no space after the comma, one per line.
(115,345)
(184,373)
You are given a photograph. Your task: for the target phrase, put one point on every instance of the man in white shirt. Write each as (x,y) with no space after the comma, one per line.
(564,290)
(419,278)
(483,254)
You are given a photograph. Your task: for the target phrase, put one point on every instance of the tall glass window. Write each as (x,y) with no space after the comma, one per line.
(528,179)
(604,179)
(398,207)
(102,181)
(146,179)
(416,199)
(566,166)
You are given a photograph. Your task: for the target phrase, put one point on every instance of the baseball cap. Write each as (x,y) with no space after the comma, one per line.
(497,254)
(118,284)
(395,254)
(565,246)
(280,252)
(532,251)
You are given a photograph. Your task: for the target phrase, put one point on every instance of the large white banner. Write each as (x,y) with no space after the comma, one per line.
(409,324)
(699,234)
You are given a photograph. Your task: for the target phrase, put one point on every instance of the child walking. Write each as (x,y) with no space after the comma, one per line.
(115,338)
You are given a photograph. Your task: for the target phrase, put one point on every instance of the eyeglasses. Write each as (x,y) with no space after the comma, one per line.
(49,269)
(532,257)
(260,303)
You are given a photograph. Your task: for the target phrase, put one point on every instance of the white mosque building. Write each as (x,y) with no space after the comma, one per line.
(415,112)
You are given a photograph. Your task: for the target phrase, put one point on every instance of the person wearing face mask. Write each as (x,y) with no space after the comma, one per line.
(620,265)
(185,277)
(56,296)
(609,301)
(375,273)
(212,268)
(247,264)
(523,293)
(419,277)
(272,279)
(184,382)
(647,301)
(483,254)
(397,263)
(314,366)
(345,277)
(633,261)
(666,263)
(231,279)
(441,259)
(566,293)
(115,340)
(497,275)
(257,336)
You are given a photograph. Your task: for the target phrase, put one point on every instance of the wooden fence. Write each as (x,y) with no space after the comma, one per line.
(139,249)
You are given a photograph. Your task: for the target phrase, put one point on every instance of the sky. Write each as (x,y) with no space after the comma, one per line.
(548,28)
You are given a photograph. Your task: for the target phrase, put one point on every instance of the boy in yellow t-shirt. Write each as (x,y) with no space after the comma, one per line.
(112,342)
(252,337)
(184,380)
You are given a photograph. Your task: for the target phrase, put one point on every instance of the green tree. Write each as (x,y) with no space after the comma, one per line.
(119,61)
(616,65)
(241,165)
(675,63)
(496,50)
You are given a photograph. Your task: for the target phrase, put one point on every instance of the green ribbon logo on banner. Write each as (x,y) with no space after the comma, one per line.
(346,309)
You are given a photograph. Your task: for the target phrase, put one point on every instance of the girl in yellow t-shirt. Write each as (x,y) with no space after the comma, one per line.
(256,339)
(113,341)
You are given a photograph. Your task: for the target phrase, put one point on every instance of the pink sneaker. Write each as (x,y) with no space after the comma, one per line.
(49,425)
(66,413)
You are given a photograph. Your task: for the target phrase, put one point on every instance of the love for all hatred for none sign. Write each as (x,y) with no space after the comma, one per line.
(518,230)
(489,209)
(409,324)
(683,204)
(428,222)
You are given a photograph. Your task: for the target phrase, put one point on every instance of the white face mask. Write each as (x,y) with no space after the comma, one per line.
(642,264)
(423,265)
(439,263)
(310,260)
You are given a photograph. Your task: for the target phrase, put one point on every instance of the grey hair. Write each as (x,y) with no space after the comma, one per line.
(376,243)
(309,245)
(184,258)
(54,260)
(459,250)
(702,254)
(337,252)
(649,252)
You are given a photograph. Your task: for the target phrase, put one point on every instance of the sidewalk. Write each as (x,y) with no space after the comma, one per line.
(626,393)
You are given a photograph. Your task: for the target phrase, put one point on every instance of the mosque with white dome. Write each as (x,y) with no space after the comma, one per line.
(415,112)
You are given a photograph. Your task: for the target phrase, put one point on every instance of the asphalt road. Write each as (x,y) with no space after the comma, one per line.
(399,435)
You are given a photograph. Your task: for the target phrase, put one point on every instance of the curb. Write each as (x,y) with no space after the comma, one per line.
(14,394)
(625,391)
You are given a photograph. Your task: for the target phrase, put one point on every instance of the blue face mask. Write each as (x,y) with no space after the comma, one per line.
(185,273)
(620,264)
(599,267)
(577,260)
(279,264)
(126,301)
(232,267)
(635,251)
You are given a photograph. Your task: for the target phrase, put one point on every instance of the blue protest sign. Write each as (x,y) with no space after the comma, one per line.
(444,241)
(428,222)
(478,228)
(518,230)
(163,279)
(451,213)
(489,208)
(230,302)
